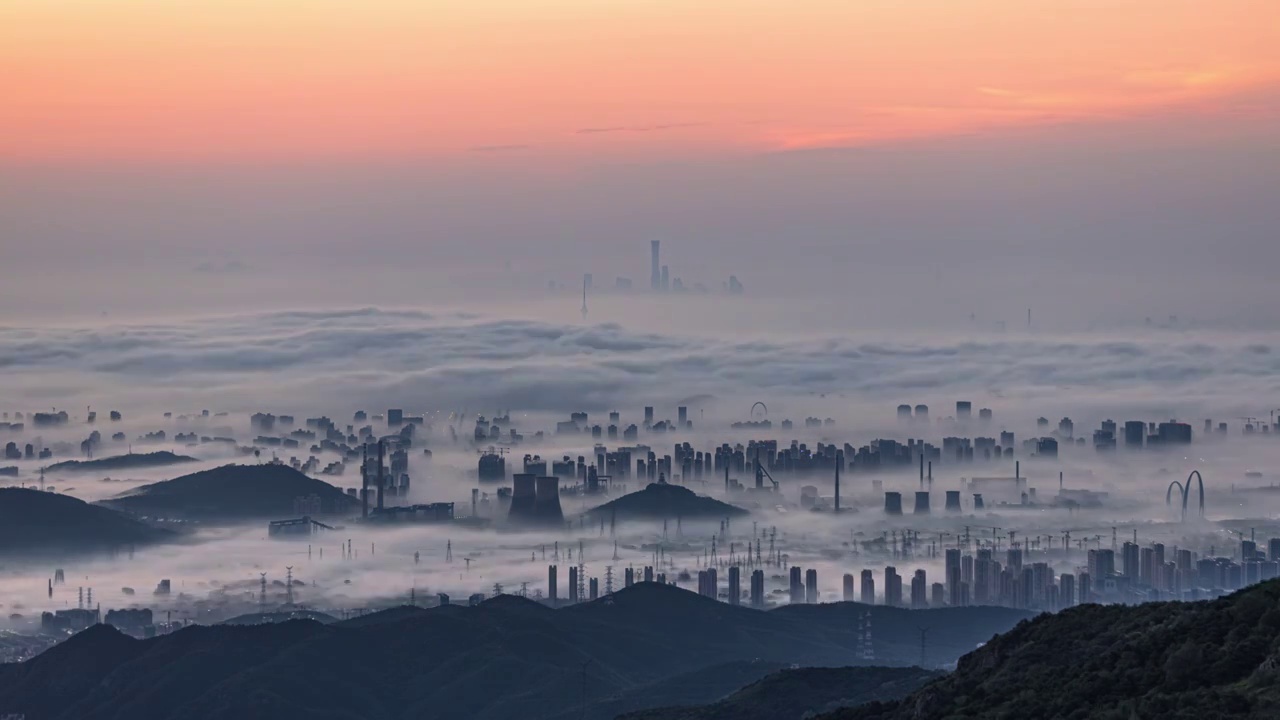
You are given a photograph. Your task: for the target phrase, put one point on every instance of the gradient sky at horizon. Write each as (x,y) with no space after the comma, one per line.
(140,82)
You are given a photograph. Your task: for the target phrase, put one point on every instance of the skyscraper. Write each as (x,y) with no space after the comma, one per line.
(892,587)
(735,585)
(797,585)
(655,279)
(848,588)
(1131,556)
(919,591)
(811,586)
(757,589)
(953,576)
(868,590)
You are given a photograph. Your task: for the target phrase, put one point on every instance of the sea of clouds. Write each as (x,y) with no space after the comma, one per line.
(326,361)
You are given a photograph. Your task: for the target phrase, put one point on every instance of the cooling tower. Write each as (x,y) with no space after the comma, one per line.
(977,501)
(893,503)
(546,505)
(953,501)
(523,497)
(922,503)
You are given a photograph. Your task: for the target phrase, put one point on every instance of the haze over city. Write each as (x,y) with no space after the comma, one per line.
(614,347)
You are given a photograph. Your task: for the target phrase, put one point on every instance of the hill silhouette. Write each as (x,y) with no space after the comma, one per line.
(1214,659)
(506,658)
(279,617)
(233,492)
(796,693)
(38,522)
(664,500)
(128,461)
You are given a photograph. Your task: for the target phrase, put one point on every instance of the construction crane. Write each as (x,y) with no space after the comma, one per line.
(761,474)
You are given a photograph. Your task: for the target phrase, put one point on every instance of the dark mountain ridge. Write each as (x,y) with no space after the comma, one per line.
(35,522)
(128,461)
(505,658)
(664,500)
(233,492)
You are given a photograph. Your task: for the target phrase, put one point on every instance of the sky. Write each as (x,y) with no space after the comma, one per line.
(1102,162)
(240,81)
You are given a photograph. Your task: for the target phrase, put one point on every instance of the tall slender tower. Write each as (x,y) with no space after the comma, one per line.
(364,481)
(655,277)
(381,472)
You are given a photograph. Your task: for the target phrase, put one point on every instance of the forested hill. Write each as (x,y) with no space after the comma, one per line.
(1215,659)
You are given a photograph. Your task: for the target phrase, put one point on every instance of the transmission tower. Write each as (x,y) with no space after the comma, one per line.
(262,593)
(608,580)
(865,649)
(924,647)
(288,585)
(582,574)
(448,551)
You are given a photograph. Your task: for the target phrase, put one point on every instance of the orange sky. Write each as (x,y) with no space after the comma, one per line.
(271,80)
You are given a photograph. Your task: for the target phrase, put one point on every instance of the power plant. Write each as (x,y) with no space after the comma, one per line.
(535,500)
